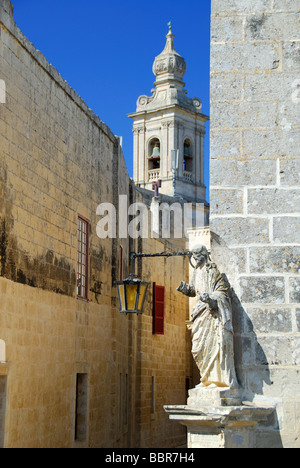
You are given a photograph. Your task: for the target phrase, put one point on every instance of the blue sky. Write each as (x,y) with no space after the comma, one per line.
(105,50)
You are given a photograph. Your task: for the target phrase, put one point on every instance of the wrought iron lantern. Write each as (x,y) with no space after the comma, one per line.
(132,291)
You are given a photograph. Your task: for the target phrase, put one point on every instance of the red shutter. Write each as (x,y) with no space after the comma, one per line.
(158,309)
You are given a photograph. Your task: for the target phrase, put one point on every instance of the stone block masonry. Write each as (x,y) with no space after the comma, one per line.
(53,152)
(255,193)
(74,372)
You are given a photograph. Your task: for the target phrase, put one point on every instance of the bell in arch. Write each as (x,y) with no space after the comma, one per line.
(187,152)
(156,151)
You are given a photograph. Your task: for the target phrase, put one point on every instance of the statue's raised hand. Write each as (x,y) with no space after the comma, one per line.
(205,297)
(186,289)
(183,287)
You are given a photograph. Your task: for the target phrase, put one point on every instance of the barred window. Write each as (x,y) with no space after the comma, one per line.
(82,259)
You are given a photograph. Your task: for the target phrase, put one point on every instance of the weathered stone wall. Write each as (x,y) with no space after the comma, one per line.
(255,210)
(56,164)
(164,358)
(53,151)
(157,365)
(58,161)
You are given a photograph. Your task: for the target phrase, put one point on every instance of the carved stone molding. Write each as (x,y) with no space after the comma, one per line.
(137,130)
(168,124)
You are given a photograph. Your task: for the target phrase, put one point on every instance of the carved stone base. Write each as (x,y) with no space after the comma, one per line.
(220,427)
(214,396)
(216,418)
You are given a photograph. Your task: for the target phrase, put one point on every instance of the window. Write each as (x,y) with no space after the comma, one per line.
(154,159)
(81,406)
(3,384)
(126,400)
(123,402)
(82,262)
(187,156)
(120,401)
(152,394)
(158,309)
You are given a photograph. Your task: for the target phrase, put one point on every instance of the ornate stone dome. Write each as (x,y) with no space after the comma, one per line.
(169,68)
(169,62)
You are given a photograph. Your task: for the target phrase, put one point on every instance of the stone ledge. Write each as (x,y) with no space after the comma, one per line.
(220,427)
(219,415)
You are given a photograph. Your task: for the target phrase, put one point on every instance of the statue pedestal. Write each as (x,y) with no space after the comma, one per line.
(213,396)
(212,423)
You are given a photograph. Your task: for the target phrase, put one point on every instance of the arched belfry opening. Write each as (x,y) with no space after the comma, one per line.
(154,154)
(187,156)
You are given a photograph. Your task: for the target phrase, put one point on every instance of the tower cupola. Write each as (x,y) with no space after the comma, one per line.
(169,65)
(170,126)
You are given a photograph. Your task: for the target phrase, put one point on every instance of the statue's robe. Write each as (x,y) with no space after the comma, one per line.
(212,332)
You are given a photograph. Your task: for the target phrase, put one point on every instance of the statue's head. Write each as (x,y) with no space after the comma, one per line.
(200,255)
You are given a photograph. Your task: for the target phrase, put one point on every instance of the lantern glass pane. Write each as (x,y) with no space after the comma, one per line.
(143,289)
(131,292)
(122,296)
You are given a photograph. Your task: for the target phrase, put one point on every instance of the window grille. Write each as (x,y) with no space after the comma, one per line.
(82,261)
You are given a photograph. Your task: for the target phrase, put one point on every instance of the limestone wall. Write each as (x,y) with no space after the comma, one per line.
(255,210)
(58,161)
(164,358)
(53,151)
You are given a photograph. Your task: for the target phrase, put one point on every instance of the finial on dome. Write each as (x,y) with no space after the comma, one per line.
(170,25)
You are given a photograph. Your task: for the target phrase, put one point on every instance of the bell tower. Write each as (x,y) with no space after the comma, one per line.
(169,131)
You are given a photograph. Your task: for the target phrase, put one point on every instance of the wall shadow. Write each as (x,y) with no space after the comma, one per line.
(252,369)
(252,365)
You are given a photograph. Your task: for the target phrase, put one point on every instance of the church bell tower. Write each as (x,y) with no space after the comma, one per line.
(169,131)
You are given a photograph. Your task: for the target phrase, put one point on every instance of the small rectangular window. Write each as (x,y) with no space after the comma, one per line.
(81,406)
(120,401)
(3,383)
(82,259)
(152,394)
(126,400)
(158,309)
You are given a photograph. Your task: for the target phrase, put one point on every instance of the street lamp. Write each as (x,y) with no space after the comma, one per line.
(132,291)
